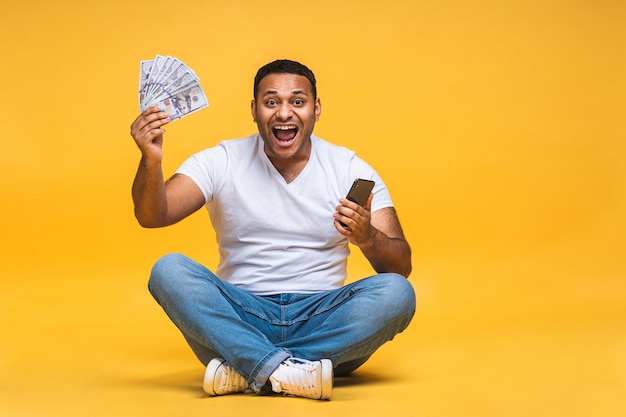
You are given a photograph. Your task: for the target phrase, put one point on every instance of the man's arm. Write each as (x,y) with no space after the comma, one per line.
(157,203)
(378,235)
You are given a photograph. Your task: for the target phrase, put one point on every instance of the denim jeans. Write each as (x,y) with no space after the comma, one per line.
(256,333)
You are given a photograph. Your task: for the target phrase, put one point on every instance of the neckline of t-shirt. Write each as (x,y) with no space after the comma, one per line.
(275,173)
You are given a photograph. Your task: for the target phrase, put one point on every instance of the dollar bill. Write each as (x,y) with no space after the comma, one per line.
(169,83)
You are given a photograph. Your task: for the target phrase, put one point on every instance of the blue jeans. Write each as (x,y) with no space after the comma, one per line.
(256,333)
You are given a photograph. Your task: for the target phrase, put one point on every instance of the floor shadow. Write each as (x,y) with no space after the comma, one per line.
(190,381)
(362,378)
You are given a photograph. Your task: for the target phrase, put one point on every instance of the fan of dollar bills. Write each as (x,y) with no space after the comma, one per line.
(169,83)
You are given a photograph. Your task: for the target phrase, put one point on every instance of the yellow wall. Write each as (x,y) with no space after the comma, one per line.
(498,125)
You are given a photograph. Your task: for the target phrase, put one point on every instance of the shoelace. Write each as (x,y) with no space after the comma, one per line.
(298,377)
(231,379)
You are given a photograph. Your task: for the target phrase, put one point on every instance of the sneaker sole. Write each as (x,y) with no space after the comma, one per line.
(327,379)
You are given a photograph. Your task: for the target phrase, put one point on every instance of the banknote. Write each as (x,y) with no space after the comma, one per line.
(169,83)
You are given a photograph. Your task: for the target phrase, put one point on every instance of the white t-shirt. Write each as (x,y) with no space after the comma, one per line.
(278,237)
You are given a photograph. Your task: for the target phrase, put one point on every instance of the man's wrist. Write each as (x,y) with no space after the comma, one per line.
(371,240)
(149,162)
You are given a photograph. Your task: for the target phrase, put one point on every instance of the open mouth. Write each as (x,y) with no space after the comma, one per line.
(285,134)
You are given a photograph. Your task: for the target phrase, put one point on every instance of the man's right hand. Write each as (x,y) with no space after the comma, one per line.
(147,130)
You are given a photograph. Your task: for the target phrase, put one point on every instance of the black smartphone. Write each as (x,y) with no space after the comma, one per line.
(359,193)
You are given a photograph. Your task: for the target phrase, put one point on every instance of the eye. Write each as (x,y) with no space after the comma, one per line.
(298,102)
(271,102)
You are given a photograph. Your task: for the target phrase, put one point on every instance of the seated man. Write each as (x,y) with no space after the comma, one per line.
(276,315)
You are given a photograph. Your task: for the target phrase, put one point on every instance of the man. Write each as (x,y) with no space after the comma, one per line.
(276,315)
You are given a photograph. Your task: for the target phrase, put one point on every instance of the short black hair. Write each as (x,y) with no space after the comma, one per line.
(284,66)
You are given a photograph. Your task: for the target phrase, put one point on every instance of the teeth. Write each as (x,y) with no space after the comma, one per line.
(284,127)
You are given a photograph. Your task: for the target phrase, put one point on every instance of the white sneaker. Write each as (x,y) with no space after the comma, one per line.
(220,378)
(304,378)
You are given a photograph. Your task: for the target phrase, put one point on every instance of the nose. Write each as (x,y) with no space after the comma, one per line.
(284,112)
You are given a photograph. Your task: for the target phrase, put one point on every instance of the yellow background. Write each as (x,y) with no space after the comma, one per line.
(497,125)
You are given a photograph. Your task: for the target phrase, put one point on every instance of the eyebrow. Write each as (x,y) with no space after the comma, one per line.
(294,92)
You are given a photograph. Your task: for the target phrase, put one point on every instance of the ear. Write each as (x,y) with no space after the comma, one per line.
(318,109)
(253,110)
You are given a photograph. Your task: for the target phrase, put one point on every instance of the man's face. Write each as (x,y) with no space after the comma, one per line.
(285,113)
